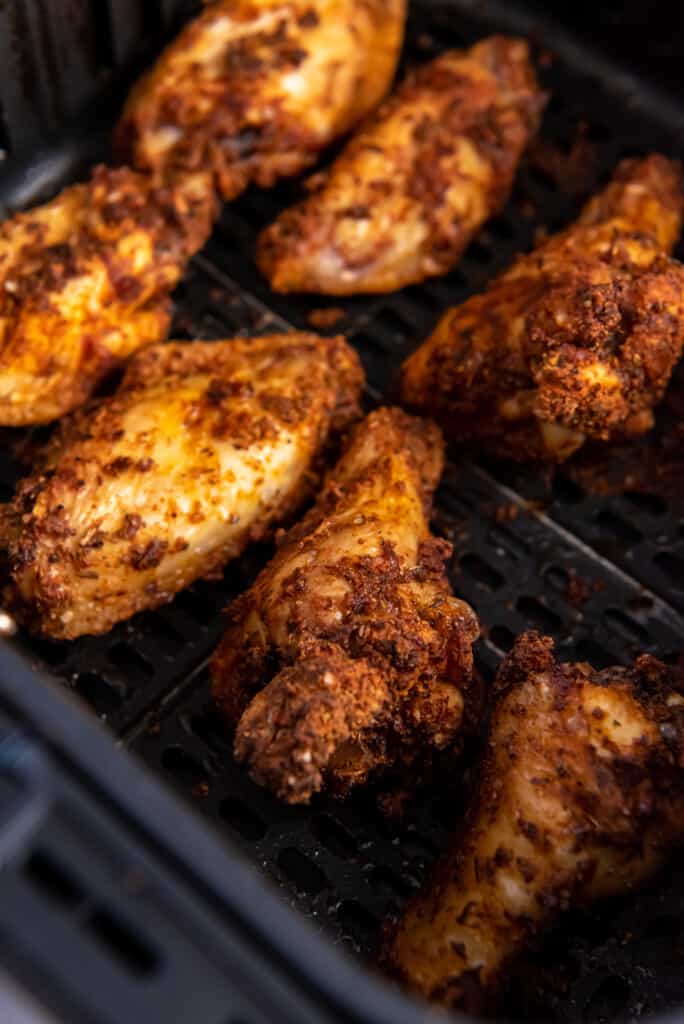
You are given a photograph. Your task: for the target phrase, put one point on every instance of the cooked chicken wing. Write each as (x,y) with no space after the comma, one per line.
(581,796)
(411,189)
(204,447)
(577,340)
(85,281)
(255,89)
(350,652)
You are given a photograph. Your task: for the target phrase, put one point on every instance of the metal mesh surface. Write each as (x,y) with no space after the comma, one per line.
(591,554)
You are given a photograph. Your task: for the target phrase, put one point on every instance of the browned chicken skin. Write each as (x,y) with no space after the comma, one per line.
(349,652)
(577,340)
(255,89)
(85,281)
(204,448)
(414,185)
(581,796)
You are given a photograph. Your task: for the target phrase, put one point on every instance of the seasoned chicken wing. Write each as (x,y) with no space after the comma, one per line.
(581,796)
(577,340)
(414,185)
(203,448)
(255,89)
(349,652)
(85,281)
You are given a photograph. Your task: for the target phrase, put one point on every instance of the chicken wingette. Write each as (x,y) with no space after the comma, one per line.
(203,448)
(577,340)
(581,796)
(255,89)
(85,281)
(411,189)
(350,653)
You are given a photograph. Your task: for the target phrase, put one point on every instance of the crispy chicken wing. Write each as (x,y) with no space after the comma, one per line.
(204,447)
(255,89)
(85,281)
(577,340)
(414,185)
(581,796)
(350,652)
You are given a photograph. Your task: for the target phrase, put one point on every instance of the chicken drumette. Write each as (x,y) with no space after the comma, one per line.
(203,448)
(411,189)
(581,796)
(577,340)
(349,652)
(255,89)
(85,281)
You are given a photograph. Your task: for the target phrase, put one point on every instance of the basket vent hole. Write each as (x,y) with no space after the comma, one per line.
(650,504)
(334,836)
(625,626)
(121,942)
(566,491)
(673,567)
(481,571)
(105,699)
(608,1001)
(388,884)
(305,876)
(242,819)
(625,532)
(129,661)
(502,637)
(54,881)
(357,923)
(538,615)
(211,729)
(183,766)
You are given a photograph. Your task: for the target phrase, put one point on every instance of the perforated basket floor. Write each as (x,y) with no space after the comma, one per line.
(592,554)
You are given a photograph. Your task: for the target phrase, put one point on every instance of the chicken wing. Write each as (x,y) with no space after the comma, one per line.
(349,652)
(414,185)
(255,89)
(577,340)
(85,281)
(581,796)
(204,447)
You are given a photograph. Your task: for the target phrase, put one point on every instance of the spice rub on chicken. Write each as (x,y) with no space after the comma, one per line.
(205,447)
(411,189)
(85,281)
(350,653)
(254,89)
(580,797)
(577,340)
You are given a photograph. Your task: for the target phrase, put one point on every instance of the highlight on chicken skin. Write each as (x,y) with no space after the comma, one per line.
(85,281)
(350,653)
(204,448)
(254,89)
(412,188)
(577,340)
(581,796)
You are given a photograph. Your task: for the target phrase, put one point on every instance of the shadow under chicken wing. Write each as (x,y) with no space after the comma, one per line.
(581,796)
(85,281)
(204,448)
(577,340)
(350,652)
(255,89)
(414,185)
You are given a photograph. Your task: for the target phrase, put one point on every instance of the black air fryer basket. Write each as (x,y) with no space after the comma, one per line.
(120,902)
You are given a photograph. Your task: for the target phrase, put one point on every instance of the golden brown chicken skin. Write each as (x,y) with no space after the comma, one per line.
(85,281)
(415,184)
(350,653)
(203,448)
(577,340)
(255,89)
(581,796)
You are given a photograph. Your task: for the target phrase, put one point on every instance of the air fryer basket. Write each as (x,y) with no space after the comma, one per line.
(592,554)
